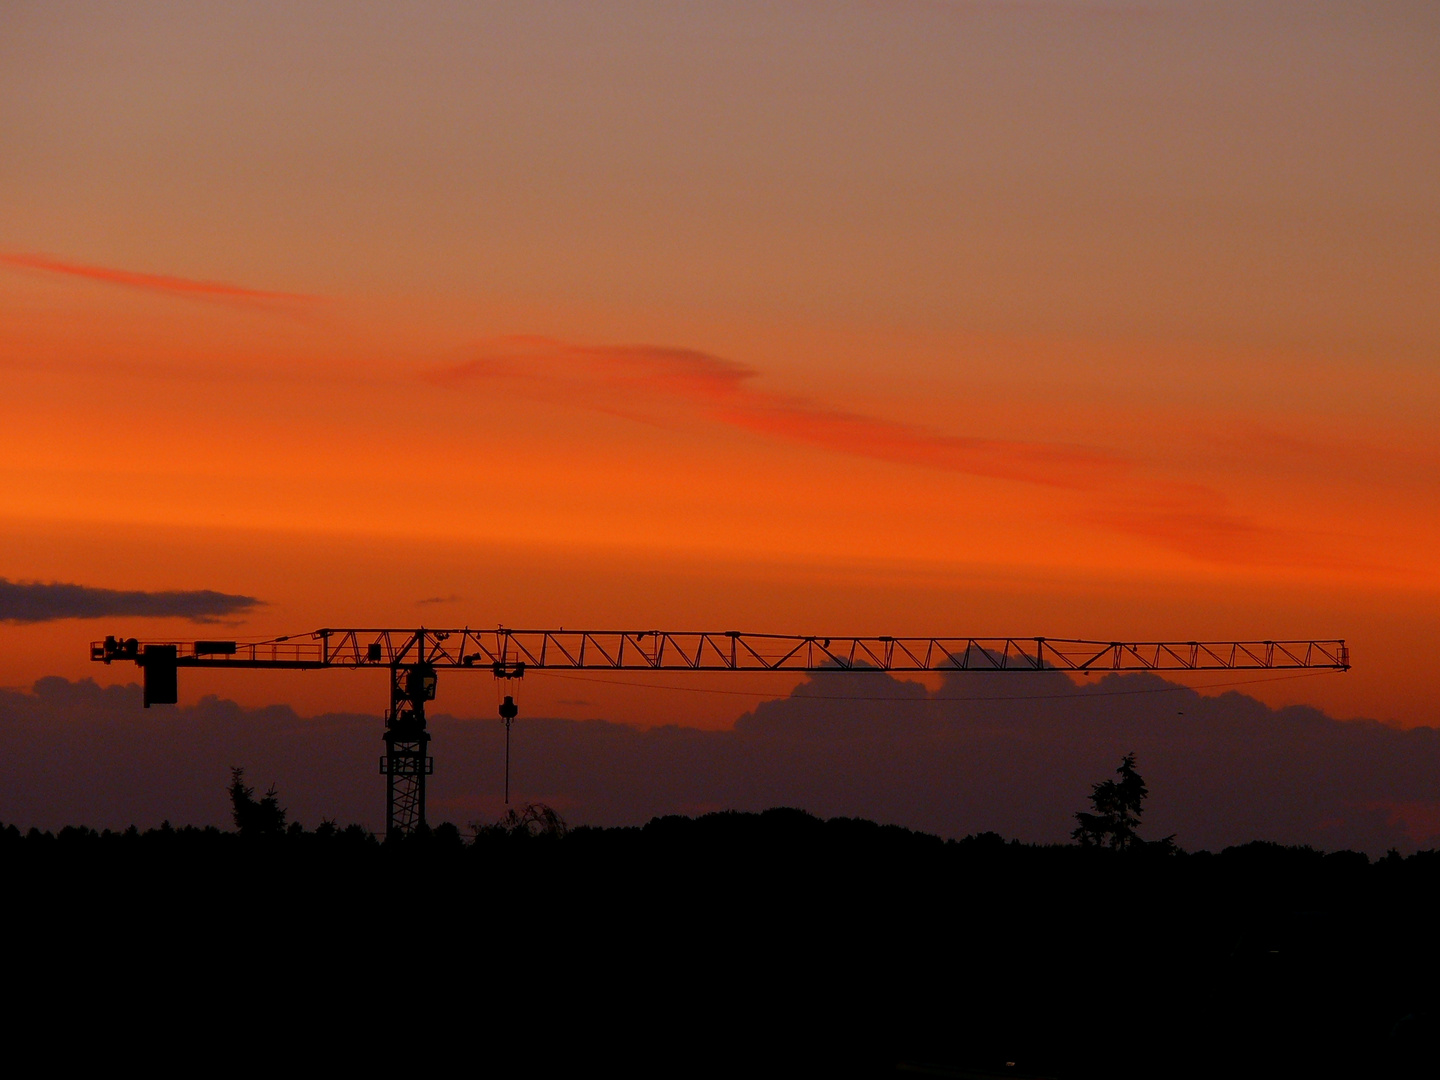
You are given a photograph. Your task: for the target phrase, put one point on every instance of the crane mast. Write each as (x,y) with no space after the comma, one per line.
(414,655)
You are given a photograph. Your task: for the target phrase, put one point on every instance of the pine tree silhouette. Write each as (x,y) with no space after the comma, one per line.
(263,817)
(1118,806)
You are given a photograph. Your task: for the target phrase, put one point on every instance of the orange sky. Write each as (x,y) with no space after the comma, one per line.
(1075,319)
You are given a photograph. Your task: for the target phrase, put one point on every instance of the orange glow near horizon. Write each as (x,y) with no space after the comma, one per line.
(921,326)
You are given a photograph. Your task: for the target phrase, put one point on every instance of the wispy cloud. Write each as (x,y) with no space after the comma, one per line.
(1200,523)
(667,385)
(161,283)
(644,381)
(33,602)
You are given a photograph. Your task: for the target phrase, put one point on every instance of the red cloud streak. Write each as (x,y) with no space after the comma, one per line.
(650,383)
(162,283)
(627,378)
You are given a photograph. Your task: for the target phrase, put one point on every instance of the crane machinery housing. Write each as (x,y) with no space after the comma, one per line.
(414,655)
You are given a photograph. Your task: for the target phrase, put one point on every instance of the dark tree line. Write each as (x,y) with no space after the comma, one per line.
(814,947)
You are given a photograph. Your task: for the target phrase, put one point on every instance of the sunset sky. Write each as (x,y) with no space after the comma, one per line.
(1072,318)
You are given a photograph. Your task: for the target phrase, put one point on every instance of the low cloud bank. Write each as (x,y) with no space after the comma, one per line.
(1005,752)
(31,602)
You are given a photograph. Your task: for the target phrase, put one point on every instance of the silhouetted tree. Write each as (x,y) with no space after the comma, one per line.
(262,817)
(536,819)
(1118,806)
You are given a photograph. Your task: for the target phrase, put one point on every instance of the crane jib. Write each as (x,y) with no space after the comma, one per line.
(659,650)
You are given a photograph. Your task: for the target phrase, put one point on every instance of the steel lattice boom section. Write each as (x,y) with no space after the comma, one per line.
(658,650)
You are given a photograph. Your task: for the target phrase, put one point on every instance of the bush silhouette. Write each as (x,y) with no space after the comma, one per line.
(534,820)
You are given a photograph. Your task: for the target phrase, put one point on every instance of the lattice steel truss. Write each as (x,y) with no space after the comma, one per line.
(663,650)
(405,763)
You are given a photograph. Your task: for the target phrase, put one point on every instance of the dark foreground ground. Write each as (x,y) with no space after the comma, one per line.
(736,944)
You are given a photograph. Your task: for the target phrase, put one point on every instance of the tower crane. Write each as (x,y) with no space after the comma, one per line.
(414,656)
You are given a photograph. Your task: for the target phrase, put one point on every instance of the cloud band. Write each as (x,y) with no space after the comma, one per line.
(33,602)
